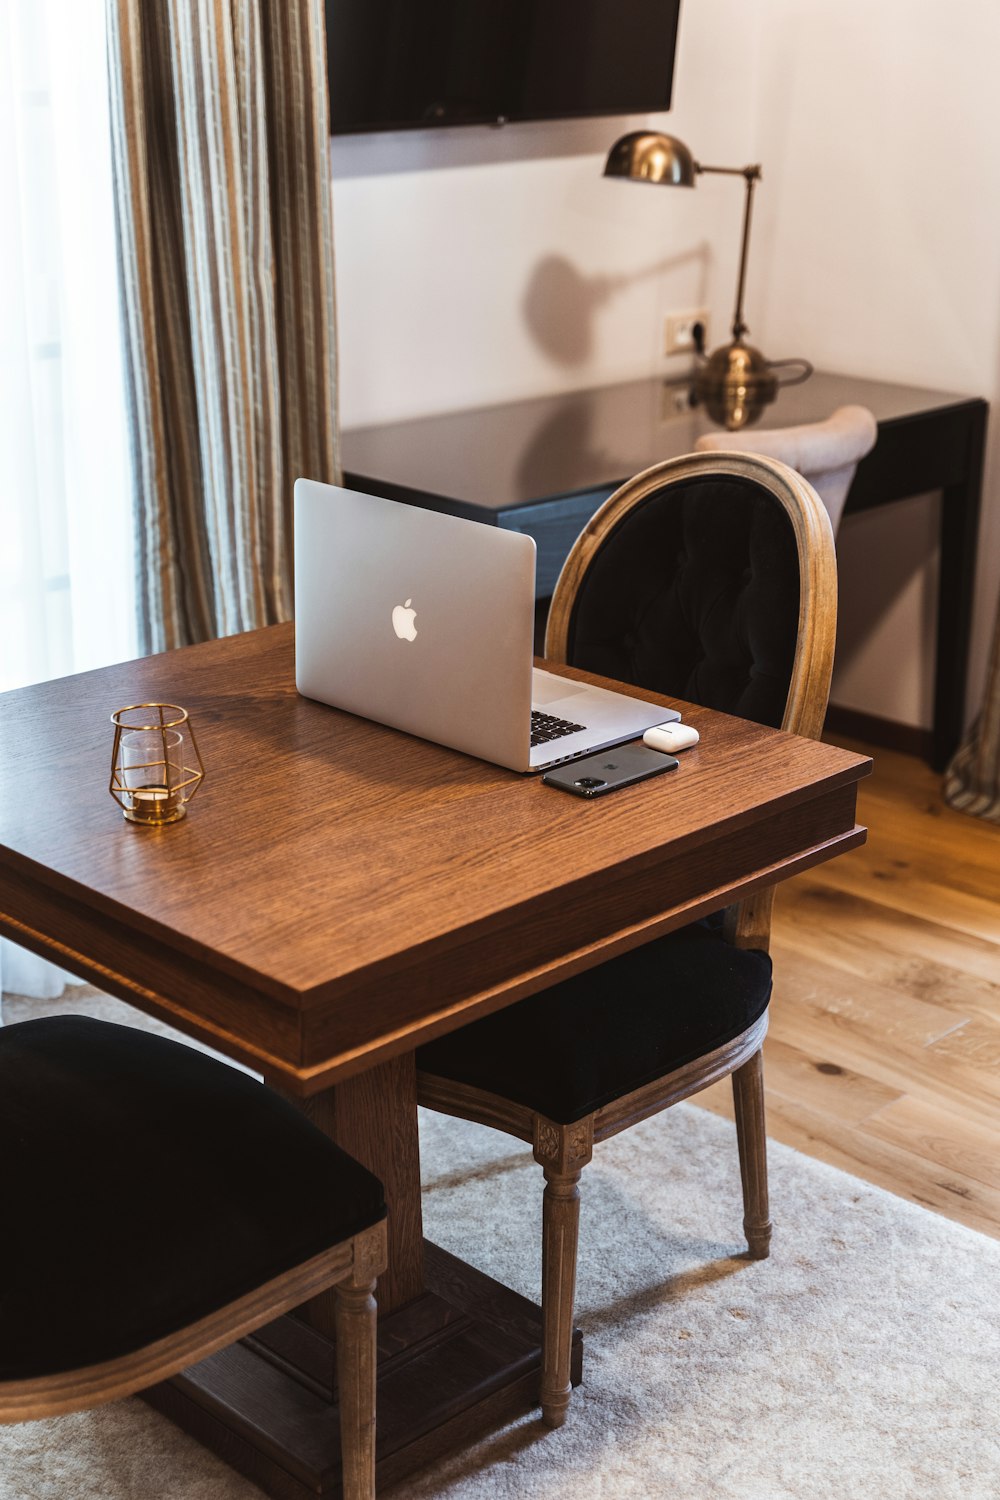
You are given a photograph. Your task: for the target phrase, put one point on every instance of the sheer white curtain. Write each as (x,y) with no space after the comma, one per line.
(66,541)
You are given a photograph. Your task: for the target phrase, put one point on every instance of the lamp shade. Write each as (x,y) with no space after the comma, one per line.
(649,156)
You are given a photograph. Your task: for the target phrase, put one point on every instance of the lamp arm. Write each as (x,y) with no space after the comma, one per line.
(753,171)
(751,176)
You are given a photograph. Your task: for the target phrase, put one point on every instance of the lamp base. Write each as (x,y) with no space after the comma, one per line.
(734,385)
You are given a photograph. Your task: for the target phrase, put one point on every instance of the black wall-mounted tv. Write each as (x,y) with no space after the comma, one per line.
(410,64)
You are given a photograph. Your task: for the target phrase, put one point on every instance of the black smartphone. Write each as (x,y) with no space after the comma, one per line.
(595,775)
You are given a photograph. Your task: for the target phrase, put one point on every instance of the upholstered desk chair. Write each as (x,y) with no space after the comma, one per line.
(826,453)
(157,1206)
(709,578)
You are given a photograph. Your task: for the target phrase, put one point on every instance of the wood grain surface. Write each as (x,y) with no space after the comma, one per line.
(340,891)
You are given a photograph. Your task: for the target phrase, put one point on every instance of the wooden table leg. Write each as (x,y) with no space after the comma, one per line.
(458,1353)
(960,504)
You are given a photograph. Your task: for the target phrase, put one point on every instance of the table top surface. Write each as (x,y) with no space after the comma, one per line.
(497,457)
(324,854)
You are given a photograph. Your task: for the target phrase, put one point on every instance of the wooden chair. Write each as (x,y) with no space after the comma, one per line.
(711,579)
(158,1206)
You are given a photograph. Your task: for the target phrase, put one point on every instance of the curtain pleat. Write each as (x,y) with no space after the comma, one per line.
(219,112)
(972,781)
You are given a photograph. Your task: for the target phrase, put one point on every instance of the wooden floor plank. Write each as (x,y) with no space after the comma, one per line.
(828,1087)
(885,883)
(899,1169)
(893,1062)
(976,1043)
(940,1135)
(857,1003)
(916,955)
(925,853)
(883,1056)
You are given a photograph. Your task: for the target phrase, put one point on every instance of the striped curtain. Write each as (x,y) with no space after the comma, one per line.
(972,781)
(220,145)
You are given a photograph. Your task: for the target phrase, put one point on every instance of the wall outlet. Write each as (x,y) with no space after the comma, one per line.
(675,399)
(678,336)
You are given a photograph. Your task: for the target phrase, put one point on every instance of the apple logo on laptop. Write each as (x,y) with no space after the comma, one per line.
(402,621)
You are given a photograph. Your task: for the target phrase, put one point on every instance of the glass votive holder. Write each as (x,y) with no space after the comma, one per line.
(155,764)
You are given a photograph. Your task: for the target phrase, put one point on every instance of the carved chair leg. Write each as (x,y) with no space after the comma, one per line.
(560,1228)
(356,1319)
(563,1151)
(748,1097)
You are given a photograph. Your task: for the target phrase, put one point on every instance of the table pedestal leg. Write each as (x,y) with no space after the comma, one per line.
(374,1117)
(458,1353)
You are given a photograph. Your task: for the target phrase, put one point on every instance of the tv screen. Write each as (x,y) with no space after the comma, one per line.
(405,64)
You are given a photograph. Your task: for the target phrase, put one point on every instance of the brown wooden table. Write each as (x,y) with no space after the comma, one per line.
(339,893)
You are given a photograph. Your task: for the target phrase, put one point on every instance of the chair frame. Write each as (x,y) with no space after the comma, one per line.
(564,1150)
(351,1268)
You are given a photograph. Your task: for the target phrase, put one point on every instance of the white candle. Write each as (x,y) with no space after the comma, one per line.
(155,804)
(150,795)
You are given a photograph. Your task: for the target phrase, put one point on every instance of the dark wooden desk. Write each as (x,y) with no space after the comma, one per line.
(544,466)
(339,893)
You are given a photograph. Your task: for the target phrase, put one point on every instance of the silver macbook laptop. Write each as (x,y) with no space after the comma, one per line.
(424,622)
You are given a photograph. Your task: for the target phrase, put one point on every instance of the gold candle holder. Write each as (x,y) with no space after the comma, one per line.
(152,775)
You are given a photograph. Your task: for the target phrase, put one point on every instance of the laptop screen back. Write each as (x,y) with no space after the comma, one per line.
(415,619)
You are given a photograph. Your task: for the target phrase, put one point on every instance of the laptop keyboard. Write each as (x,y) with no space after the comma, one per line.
(545,727)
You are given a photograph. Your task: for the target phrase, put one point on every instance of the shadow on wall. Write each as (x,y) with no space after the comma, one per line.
(560,302)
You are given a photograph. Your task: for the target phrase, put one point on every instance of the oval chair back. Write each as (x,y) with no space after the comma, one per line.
(711,578)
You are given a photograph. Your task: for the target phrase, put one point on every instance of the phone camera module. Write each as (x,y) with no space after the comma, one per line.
(590,782)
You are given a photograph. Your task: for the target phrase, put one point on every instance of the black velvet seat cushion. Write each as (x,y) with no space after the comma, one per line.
(695,594)
(146,1185)
(598,1036)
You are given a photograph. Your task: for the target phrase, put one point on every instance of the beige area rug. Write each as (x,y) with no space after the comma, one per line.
(861,1361)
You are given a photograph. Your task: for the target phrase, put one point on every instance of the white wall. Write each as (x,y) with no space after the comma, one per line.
(879,242)
(477,265)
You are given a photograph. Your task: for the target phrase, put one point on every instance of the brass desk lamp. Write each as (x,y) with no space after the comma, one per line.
(736,382)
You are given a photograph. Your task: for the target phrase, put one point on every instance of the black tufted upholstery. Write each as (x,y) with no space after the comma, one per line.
(695,594)
(599,1035)
(146,1185)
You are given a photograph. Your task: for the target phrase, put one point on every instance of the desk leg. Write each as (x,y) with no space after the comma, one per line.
(959,545)
(458,1354)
